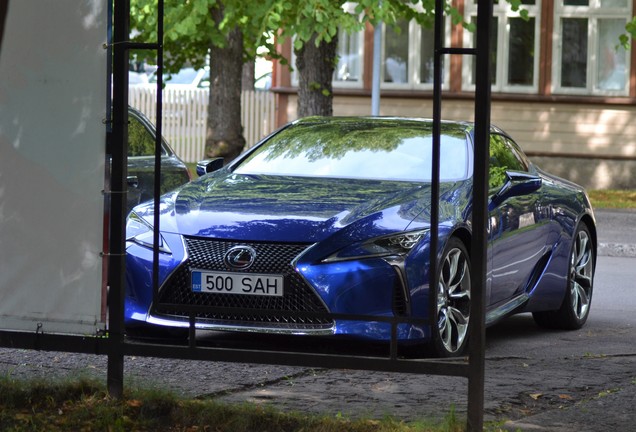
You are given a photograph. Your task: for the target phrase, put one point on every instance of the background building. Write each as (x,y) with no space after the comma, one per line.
(562,84)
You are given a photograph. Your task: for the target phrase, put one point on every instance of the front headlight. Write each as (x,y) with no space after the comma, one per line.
(392,245)
(139,231)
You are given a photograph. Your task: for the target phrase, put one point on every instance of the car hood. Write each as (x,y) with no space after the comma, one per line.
(290,209)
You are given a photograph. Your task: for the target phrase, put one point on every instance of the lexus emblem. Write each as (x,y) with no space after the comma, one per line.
(240,257)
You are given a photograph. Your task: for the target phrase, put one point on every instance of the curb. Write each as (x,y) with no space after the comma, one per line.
(617,250)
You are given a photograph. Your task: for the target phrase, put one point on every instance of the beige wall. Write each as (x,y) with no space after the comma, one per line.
(571,133)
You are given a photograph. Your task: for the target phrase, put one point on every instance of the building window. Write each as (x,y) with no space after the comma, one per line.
(350,55)
(350,52)
(587,56)
(396,53)
(514,47)
(408,56)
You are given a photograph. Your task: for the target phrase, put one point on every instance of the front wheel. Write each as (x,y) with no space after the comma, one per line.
(575,309)
(452,312)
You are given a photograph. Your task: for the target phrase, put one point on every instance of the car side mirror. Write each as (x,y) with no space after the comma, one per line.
(132,181)
(209,165)
(517,184)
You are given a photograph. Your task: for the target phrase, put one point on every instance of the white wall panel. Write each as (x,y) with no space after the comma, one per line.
(52,140)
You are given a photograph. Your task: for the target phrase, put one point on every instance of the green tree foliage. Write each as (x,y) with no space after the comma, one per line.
(190,29)
(320,20)
(630,32)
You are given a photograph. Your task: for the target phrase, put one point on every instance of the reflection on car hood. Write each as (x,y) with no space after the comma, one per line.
(289,209)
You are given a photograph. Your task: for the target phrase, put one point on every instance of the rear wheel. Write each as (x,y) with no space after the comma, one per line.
(450,332)
(575,309)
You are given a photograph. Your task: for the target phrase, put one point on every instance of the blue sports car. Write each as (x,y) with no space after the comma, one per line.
(331,216)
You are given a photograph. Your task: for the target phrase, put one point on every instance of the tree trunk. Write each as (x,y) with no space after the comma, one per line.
(224,136)
(315,65)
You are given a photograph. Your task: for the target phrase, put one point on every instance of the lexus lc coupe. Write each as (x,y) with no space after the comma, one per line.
(330,217)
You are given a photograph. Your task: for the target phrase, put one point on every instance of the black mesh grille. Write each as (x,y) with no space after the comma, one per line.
(400,306)
(267,312)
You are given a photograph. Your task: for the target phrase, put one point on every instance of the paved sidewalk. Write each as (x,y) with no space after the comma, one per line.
(616,232)
(611,412)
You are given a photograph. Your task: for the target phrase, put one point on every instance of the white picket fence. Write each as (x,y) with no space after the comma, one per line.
(185,113)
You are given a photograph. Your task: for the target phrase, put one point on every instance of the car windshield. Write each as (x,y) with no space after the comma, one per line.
(362,149)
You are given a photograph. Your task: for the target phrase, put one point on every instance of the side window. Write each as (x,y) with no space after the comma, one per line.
(503,157)
(140,140)
(519,155)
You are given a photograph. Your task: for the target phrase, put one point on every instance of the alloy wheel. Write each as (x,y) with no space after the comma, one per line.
(581,272)
(453,301)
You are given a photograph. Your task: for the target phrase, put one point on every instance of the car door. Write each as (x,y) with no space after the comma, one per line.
(141,151)
(516,222)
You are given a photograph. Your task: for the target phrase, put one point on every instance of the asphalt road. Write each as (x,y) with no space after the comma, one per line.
(617,232)
(537,380)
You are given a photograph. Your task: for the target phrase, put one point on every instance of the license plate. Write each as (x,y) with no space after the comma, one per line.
(237,283)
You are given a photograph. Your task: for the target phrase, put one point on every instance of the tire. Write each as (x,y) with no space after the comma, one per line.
(575,308)
(452,311)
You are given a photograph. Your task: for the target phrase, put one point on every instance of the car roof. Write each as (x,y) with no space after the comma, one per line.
(424,123)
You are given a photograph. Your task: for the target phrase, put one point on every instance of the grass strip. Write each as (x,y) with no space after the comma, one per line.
(84,405)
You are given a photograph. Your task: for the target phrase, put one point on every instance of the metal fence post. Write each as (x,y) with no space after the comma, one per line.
(117,262)
(480,218)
